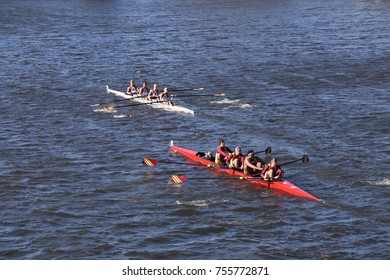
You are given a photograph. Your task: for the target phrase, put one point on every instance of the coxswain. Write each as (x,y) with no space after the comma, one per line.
(164,97)
(272,171)
(253,164)
(222,153)
(154,92)
(236,159)
(143,91)
(132,89)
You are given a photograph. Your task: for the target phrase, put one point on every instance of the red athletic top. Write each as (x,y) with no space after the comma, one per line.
(223,151)
(278,169)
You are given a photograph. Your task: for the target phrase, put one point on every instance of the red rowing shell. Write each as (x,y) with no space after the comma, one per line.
(282,186)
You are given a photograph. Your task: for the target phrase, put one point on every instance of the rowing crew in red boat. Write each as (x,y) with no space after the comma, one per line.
(206,159)
(251,164)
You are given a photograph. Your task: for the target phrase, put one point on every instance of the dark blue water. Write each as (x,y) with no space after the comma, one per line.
(304,77)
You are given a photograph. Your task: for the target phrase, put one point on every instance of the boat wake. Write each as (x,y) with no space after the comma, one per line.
(225,101)
(201,202)
(122,116)
(232,103)
(383,182)
(242,106)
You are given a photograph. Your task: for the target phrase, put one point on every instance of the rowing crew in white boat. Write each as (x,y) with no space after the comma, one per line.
(153,95)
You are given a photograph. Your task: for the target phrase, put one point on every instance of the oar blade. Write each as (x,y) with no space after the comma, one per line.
(107,108)
(149,162)
(305,159)
(177,179)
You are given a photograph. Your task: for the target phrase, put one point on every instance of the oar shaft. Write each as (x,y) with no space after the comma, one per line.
(304,159)
(114,101)
(186,89)
(153,162)
(198,95)
(138,104)
(223,178)
(266,151)
(123,100)
(194,164)
(291,161)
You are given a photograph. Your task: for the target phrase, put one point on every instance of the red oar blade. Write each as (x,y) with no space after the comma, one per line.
(149,162)
(177,179)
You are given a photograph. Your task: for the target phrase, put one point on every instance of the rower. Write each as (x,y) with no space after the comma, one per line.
(154,92)
(222,153)
(164,96)
(272,171)
(132,89)
(253,164)
(143,91)
(236,159)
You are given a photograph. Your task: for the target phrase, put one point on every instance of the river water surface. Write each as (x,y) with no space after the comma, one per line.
(304,77)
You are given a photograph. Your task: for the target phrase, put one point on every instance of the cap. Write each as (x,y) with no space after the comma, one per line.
(238,148)
(165,89)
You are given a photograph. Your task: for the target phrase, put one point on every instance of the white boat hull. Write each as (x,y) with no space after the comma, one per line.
(175,107)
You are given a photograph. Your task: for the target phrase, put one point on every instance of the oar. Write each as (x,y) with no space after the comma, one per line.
(192,95)
(114,101)
(130,105)
(186,89)
(304,159)
(266,151)
(181,179)
(153,162)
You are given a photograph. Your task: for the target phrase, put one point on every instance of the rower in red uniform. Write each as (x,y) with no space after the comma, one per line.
(236,159)
(143,91)
(253,164)
(222,153)
(154,92)
(272,171)
(132,89)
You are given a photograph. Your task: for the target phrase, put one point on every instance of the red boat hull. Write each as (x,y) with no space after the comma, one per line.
(282,186)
